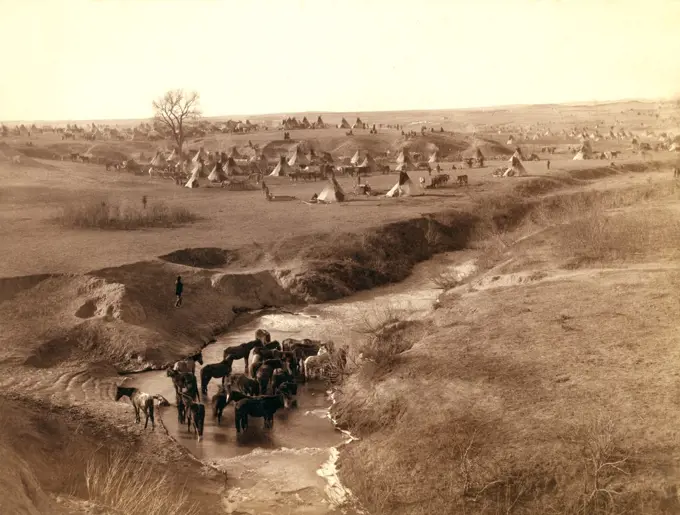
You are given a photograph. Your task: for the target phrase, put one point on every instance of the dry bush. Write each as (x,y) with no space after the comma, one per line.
(123,216)
(373,320)
(130,487)
(447,280)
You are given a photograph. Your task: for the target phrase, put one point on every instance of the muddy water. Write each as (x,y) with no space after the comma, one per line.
(290,469)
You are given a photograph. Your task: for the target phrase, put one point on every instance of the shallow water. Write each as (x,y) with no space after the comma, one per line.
(290,468)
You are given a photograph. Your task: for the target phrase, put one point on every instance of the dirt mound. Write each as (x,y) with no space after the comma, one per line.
(209,257)
(346,146)
(11,286)
(276,148)
(99,151)
(489,147)
(446,144)
(7,153)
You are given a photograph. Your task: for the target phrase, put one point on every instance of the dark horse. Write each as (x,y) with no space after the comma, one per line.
(242,351)
(215,370)
(195,415)
(242,383)
(184,381)
(263,407)
(219,402)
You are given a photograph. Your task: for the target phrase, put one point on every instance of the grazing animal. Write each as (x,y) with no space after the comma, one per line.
(188,365)
(243,383)
(440,179)
(140,401)
(219,402)
(265,371)
(258,355)
(195,415)
(280,377)
(215,370)
(181,409)
(261,407)
(184,381)
(242,351)
(462,180)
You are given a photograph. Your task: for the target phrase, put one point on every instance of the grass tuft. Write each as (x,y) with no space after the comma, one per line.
(133,488)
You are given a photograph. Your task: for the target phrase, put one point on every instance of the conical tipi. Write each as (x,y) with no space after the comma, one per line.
(355,159)
(231,168)
(369,163)
(298,158)
(332,192)
(344,124)
(158,161)
(405,187)
(434,158)
(281,169)
(217,174)
(515,169)
(193,181)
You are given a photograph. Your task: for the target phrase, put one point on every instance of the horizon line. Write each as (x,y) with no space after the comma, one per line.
(573,103)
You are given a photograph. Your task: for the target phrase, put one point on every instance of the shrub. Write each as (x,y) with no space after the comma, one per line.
(122,216)
(134,488)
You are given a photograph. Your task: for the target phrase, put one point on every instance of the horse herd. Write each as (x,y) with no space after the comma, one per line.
(272,371)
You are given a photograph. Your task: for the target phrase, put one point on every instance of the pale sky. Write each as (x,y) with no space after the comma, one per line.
(108,59)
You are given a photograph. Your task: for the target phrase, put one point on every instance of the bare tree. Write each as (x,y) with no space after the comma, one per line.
(175,110)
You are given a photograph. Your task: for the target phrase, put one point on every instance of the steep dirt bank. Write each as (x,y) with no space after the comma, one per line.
(543,385)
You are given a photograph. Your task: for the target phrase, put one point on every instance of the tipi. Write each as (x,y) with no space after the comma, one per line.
(405,187)
(282,168)
(516,168)
(231,168)
(158,161)
(434,158)
(355,159)
(319,123)
(172,157)
(193,180)
(332,192)
(234,153)
(217,174)
(200,154)
(298,158)
(369,163)
(344,124)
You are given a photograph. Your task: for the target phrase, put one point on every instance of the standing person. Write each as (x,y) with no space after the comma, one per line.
(179,287)
(548,164)
(264,187)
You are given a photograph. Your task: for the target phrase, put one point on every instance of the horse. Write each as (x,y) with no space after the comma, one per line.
(243,383)
(242,351)
(181,408)
(258,355)
(195,415)
(140,401)
(186,381)
(219,402)
(188,365)
(262,407)
(265,371)
(462,180)
(215,370)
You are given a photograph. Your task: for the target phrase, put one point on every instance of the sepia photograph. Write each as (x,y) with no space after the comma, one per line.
(314,257)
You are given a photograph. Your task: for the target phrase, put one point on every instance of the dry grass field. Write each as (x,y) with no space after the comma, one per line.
(545,383)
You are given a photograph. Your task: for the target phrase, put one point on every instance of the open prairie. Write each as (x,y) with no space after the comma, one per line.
(510,342)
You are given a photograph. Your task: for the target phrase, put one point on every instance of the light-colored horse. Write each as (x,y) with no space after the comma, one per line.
(188,365)
(140,401)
